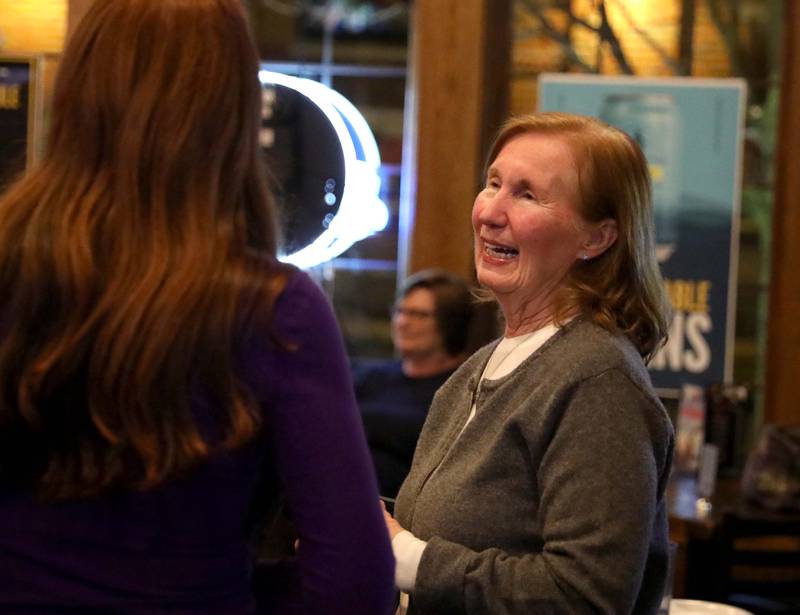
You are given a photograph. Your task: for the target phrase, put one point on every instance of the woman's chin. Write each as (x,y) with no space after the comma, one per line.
(495,281)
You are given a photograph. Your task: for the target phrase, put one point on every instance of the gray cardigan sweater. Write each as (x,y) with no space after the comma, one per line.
(552,499)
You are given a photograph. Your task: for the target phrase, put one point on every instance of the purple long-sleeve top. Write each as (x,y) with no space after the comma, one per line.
(183,547)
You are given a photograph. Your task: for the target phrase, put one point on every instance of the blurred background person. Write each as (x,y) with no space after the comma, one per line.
(538,481)
(431,325)
(159,369)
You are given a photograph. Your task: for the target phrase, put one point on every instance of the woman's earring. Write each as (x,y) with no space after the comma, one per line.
(584,257)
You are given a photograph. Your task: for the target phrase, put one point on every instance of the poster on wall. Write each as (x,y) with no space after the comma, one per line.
(691,131)
(19,113)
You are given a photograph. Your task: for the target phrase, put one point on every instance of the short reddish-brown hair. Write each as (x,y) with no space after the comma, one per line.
(622,289)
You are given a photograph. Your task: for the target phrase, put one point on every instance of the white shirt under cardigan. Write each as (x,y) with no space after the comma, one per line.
(506,357)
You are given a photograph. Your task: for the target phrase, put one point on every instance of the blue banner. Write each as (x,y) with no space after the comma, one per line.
(691,132)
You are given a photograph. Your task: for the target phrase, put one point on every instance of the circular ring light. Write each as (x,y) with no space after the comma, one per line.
(325,222)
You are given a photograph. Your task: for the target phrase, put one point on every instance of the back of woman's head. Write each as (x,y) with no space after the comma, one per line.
(621,289)
(130,255)
(159,97)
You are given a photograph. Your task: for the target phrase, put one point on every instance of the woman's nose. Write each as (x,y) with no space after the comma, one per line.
(400,316)
(492,209)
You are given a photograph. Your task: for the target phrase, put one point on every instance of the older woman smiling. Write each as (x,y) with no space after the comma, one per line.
(538,482)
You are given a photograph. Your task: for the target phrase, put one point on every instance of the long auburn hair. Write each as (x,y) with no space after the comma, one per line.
(622,289)
(133,254)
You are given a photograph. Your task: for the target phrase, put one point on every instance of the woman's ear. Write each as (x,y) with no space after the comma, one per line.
(602,236)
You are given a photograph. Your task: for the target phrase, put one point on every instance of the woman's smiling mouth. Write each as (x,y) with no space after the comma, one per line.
(499,251)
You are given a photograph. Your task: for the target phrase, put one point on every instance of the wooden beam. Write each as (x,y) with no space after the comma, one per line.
(783,333)
(458,94)
(686,36)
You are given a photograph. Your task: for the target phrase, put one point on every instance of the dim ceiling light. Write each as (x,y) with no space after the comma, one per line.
(361,211)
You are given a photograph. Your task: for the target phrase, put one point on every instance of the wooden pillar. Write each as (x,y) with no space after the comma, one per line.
(458,96)
(782,403)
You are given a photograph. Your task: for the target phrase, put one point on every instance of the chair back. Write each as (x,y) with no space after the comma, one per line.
(759,562)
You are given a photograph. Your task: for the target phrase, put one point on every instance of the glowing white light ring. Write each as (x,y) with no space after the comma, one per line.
(361,211)
(360,126)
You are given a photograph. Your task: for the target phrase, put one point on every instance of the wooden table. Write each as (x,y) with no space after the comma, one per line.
(692,527)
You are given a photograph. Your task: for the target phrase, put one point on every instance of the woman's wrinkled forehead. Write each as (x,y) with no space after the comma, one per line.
(569,137)
(545,160)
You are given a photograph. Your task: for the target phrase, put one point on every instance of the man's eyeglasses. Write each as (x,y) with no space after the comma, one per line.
(398,310)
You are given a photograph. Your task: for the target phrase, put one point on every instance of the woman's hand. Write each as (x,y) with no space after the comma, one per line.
(392,526)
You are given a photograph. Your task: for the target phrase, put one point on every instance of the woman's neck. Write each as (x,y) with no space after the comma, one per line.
(527,317)
(520,320)
(422,366)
